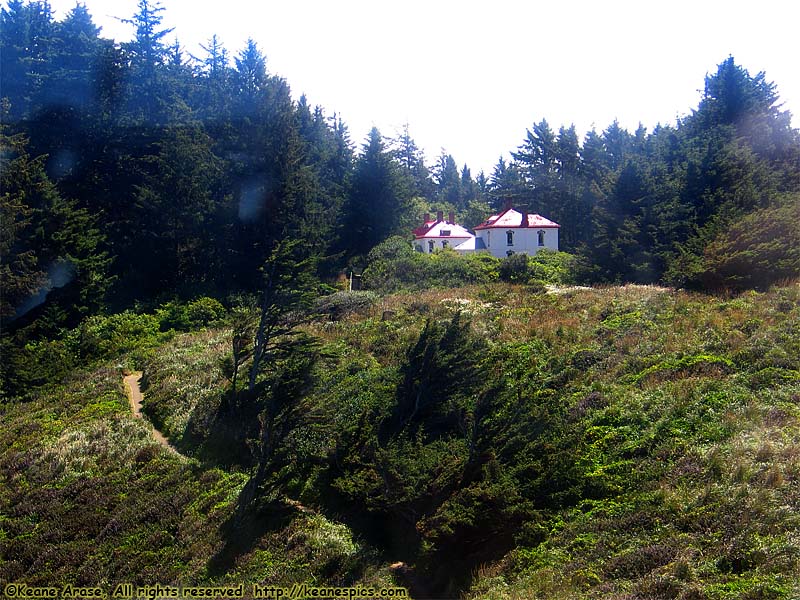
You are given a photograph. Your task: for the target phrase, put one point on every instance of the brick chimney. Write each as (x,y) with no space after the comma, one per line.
(508,205)
(524,218)
(426,218)
(440,215)
(452,218)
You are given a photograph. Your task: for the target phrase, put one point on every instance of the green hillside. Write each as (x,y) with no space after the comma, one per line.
(619,442)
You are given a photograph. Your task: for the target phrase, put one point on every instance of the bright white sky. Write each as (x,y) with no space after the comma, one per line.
(471,77)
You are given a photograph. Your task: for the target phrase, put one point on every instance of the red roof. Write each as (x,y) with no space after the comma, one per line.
(424,228)
(511,219)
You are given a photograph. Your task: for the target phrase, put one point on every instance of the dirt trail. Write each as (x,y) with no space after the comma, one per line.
(134,392)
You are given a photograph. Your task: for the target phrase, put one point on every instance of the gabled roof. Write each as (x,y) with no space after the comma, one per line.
(433,229)
(511,219)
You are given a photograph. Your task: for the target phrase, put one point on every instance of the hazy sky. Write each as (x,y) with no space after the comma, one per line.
(471,77)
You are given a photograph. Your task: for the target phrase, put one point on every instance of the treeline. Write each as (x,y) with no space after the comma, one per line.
(670,205)
(136,172)
(142,172)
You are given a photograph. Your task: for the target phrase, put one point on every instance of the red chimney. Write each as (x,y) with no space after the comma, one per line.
(524,218)
(508,205)
(452,218)
(439,215)
(427,218)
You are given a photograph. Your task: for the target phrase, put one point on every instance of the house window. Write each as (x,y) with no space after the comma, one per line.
(430,245)
(488,239)
(509,252)
(444,243)
(445,232)
(541,237)
(510,238)
(418,247)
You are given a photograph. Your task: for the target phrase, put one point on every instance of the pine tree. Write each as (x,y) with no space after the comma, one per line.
(250,78)
(47,241)
(27,44)
(617,143)
(281,358)
(377,203)
(76,47)
(448,181)
(571,210)
(173,212)
(506,186)
(147,53)
(412,164)
(212,98)
(536,161)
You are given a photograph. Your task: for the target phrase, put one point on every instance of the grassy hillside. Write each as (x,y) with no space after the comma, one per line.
(632,442)
(88,498)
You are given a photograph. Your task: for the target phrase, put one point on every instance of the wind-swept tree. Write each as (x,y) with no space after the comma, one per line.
(281,358)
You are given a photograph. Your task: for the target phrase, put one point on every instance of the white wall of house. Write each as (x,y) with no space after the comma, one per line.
(524,240)
(429,244)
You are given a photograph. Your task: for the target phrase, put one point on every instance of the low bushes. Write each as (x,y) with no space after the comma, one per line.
(394,266)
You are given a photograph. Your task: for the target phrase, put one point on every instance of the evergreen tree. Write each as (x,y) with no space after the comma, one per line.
(48,242)
(536,160)
(740,154)
(281,358)
(75,49)
(27,44)
(376,207)
(147,53)
(173,212)
(617,143)
(572,211)
(506,186)
(213,97)
(412,164)
(448,181)
(250,78)
(469,188)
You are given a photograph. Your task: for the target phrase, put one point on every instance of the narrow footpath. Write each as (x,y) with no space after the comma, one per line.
(405,574)
(134,391)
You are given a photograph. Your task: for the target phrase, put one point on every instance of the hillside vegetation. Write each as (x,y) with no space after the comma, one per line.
(620,442)
(465,426)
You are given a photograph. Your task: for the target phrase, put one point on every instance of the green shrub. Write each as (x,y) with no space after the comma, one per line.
(109,336)
(204,311)
(38,363)
(557,268)
(184,317)
(515,269)
(756,251)
(394,266)
(393,248)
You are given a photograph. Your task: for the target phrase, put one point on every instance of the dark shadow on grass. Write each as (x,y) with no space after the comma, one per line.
(245,528)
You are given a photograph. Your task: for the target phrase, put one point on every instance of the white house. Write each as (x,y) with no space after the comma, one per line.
(512,232)
(438,234)
(509,232)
